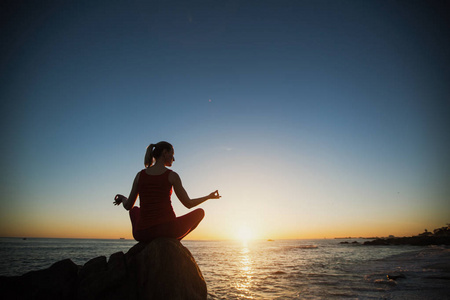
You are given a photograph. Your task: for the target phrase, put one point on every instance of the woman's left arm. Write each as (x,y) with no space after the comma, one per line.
(183,196)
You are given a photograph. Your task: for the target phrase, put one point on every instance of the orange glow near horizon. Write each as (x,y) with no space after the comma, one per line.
(222,222)
(243,233)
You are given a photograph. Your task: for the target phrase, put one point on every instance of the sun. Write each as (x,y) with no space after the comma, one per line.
(244,233)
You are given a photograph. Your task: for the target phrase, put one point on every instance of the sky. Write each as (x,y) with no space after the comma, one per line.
(313,119)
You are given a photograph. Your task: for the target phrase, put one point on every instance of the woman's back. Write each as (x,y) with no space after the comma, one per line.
(154,194)
(155,217)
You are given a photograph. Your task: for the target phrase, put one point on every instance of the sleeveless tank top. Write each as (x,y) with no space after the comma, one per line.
(154,197)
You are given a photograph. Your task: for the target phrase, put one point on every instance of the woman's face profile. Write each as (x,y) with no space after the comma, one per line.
(168,157)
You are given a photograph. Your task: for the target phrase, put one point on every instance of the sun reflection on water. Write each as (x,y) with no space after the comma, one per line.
(244,282)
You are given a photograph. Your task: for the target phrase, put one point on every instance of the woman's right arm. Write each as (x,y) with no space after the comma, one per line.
(129,203)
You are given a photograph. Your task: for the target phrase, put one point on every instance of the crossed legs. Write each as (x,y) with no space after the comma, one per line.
(178,228)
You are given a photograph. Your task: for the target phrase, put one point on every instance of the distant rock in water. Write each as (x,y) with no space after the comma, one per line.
(395,276)
(161,269)
(347,243)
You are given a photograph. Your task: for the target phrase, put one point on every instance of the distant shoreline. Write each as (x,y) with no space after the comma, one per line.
(439,236)
(413,241)
(355,238)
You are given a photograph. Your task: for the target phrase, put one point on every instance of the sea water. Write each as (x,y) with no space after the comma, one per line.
(280,269)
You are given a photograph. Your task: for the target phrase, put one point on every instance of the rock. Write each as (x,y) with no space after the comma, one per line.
(164,269)
(95,265)
(386,282)
(105,280)
(57,282)
(161,269)
(395,276)
(347,243)
(377,242)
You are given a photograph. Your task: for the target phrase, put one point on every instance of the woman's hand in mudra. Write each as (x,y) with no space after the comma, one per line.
(119,199)
(214,195)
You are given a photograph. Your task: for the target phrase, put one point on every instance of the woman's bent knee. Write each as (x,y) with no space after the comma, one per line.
(200,213)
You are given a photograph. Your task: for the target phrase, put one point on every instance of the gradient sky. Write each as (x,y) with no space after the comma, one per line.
(313,118)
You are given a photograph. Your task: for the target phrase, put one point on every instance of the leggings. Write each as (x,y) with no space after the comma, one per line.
(177,228)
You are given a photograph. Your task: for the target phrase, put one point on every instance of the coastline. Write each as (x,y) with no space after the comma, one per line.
(439,236)
(413,241)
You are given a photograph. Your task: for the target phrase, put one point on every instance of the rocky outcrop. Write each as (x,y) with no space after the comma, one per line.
(347,243)
(161,269)
(57,282)
(414,241)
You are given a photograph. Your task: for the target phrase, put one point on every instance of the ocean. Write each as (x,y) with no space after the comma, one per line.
(280,269)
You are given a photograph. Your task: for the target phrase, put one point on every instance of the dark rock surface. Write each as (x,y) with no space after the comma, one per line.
(57,282)
(349,243)
(161,269)
(396,276)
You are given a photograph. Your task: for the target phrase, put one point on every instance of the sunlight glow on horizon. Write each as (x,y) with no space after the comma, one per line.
(244,233)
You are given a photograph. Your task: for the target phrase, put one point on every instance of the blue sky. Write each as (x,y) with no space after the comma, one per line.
(304,114)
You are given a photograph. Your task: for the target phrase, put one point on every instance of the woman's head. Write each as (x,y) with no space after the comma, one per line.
(156,151)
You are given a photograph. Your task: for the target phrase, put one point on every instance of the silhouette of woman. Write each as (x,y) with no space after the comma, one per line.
(156,218)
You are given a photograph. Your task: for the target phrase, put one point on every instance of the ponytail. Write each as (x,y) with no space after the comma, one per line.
(154,151)
(148,159)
